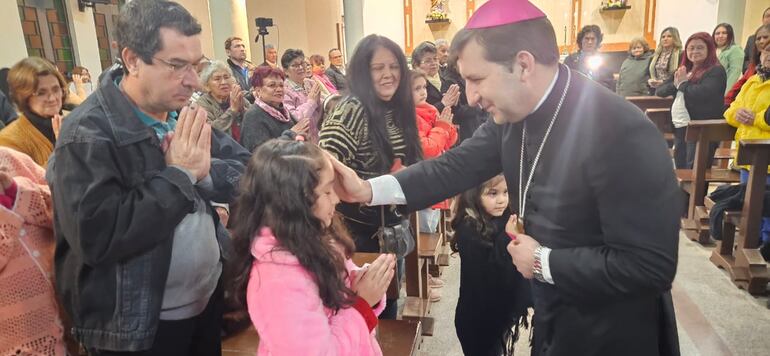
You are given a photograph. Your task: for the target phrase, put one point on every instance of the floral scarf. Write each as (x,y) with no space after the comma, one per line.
(281,115)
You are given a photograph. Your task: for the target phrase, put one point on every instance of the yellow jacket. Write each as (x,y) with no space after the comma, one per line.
(754,96)
(24,137)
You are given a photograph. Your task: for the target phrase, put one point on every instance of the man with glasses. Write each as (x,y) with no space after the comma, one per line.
(139,252)
(336,70)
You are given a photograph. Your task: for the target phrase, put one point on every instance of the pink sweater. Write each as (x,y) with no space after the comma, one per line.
(29,316)
(289,315)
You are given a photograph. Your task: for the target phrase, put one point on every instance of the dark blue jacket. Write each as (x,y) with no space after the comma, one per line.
(116,205)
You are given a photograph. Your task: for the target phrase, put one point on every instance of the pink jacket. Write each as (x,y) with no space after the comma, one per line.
(30,316)
(289,315)
(295,100)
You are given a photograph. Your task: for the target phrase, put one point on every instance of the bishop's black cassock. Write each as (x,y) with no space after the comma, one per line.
(604,197)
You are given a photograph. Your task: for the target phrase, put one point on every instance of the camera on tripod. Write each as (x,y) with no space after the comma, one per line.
(262,24)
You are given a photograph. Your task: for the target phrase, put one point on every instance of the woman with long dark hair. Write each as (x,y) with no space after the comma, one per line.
(730,54)
(374,132)
(699,86)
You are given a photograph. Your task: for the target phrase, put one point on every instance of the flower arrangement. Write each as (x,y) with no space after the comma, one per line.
(438,11)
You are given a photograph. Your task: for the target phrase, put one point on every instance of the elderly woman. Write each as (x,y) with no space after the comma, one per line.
(38,89)
(302,95)
(730,54)
(441,92)
(666,59)
(761,39)
(318,68)
(750,115)
(268,117)
(634,71)
(222,98)
(699,86)
(374,131)
(587,59)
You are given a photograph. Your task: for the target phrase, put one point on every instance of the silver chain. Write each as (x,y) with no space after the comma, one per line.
(522,197)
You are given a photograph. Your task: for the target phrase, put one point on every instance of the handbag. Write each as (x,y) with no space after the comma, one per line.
(396,239)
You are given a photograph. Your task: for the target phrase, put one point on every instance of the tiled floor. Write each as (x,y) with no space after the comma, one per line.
(714,317)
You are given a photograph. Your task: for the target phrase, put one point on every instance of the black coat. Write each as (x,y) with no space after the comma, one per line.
(604,197)
(337,78)
(467,118)
(259,126)
(747,51)
(705,99)
(494,296)
(602,75)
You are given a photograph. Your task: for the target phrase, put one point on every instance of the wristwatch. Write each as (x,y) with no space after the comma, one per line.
(537,267)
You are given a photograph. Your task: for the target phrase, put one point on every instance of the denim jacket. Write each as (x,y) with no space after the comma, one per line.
(116,205)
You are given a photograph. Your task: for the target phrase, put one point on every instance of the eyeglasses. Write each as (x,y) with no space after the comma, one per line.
(45,94)
(429,60)
(297,65)
(180,69)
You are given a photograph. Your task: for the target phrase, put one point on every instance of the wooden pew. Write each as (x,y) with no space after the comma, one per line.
(417,301)
(695,181)
(651,102)
(745,264)
(396,338)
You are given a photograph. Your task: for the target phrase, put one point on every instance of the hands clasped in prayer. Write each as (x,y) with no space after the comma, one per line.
(189,147)
(371,282)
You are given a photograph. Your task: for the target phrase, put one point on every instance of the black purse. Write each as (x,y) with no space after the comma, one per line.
(397,239)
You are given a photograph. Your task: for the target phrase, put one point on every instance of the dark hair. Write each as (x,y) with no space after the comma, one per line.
(290,55)
(262,73)
(317,59)
(755,51)
(294,166)
(332,50)
(422,50)
(468,208)
(402,103)
(4,82)
(711,56)
(730,33)
(229,42)
(502,43)
(590,28)
(138,26)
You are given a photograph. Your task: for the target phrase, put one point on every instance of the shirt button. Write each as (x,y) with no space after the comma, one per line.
(36,253)
(22,232)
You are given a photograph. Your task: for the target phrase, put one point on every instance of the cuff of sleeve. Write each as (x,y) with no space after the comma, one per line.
(386,190)
(366,311)
(546,265)
(186,172)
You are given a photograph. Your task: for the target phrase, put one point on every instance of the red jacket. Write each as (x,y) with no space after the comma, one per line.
(436,136)
(733,93)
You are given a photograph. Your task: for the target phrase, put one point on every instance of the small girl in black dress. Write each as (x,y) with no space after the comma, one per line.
(494,296)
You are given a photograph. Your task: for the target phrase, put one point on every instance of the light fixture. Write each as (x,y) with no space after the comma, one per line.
(83,4)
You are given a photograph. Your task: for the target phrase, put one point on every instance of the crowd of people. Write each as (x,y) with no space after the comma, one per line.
(116,194)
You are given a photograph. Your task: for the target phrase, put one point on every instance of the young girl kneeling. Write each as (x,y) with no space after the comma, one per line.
(303,297)
(494,296)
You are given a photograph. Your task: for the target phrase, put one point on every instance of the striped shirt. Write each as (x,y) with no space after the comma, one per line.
(346,135)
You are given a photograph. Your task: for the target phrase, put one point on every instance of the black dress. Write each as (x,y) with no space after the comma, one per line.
(494,296)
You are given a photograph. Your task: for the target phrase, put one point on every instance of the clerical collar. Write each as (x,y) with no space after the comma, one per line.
(547,91)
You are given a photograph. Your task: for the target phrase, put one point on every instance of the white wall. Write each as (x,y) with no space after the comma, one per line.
(83,34)
(229,18)
(384,18)
(11,35)
(689,16)
(200,10)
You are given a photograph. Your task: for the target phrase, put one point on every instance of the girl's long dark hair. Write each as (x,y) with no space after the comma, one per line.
(468,209)
(278,191)
(402,103)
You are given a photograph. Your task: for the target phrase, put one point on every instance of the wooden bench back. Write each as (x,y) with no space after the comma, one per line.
(757,154)
(650,102)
